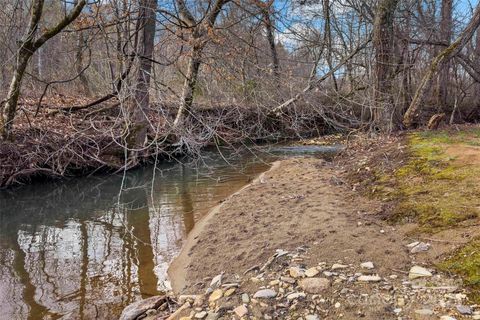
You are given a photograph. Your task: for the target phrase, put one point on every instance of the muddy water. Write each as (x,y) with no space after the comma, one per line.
(86,248)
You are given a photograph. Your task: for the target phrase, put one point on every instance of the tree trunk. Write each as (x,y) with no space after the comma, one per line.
(189,84)
(426,83)
(477,60)
(79,64)
(10,106)
(446,37)
(328,40)
(138,125)
(383,45)
(271,41)
(28,46)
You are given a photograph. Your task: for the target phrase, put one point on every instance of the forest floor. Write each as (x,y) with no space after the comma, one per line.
(388,230)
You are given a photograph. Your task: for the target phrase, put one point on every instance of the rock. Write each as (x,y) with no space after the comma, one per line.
(201,315)
(447,318)
(327,273)
(420,247)
(138,308)
(465,310)
(337,305)
(401,302)
(367,265)
(418,272)
(199,300)
(397,310)
(216,294)
(212,316)
(413,244)
(374,278)
(312,272)
(265,294)
(424,312)
(295,272)
(216,281)
(240,311)
(296,295)
(338,266)
(229,292)
(314,285)
(288,280)
(312,317)
(245,298)
(186,297)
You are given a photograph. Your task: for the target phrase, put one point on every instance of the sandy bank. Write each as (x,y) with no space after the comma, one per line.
(298,202)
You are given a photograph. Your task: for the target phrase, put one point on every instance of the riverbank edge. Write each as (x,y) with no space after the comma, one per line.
(177,268)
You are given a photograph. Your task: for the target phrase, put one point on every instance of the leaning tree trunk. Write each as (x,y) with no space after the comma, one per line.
(28,46)
(446,37)
(138,124)
(477,61)
(190,84)
(383,45)
(425,85)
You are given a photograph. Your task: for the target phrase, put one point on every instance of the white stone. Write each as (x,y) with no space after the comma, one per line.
(373,278)
(216,281)
(200,315)
(367,265)
(338,266)
(265,294)
(296,295)
(418,272)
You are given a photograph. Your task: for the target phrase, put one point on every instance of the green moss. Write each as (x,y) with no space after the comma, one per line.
(432,189)
(466,262)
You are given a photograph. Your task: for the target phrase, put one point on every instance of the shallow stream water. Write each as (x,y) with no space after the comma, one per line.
(85,248)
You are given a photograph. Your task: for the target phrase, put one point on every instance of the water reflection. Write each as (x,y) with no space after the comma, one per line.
(81,249)
(86,248)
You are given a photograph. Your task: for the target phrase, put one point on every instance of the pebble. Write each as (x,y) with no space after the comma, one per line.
(229,292)
(212,316)
(240,310)
(295,272)
(367,265)
(296,295)
(200,315)
(265,294)
(216,281)
(338,266)
(337,305)
(312,317)
(418,272)
(447,318)
(464,309)
(216,294)
(314,285)
(312,272)
(288,280)
(245,298)
(424,312)
(420,247)
(374,278)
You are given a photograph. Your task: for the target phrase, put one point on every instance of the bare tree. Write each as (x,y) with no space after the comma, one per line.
(28,45)
(383,44)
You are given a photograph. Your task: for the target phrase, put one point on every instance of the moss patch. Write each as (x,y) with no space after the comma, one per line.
(466,262)
(433,188)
